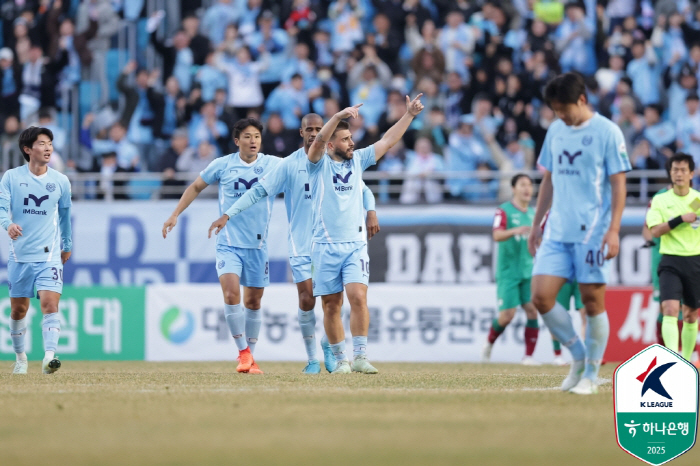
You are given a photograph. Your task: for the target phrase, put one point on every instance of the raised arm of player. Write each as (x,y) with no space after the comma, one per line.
(318,147)
(396,132)
(249,199)
(618,183)
(188,196)
(544,202)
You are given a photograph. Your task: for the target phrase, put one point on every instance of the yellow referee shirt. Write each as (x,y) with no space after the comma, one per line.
(684,240)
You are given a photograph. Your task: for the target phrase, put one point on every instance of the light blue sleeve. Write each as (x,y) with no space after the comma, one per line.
(66,231)
(5,200)
(65,200)
(546,154)
(366,157)
(315,167)
(616,158)
(212,173)
(275,181)
(247,200)
(368,198)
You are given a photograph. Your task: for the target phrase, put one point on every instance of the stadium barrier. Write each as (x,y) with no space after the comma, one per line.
(430,323)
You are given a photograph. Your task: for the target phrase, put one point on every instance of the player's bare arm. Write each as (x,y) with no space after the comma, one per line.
(372,224)
(396,132)
(188,196)
(65,255)
(544,202)
(503,235)
(318,147)
(611,239)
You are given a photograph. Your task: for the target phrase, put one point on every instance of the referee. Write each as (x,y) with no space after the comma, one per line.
(672,217)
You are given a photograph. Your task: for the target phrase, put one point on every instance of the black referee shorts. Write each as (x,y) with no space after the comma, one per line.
(679,279)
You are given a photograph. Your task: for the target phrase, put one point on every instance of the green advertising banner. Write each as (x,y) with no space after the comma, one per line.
(97,323)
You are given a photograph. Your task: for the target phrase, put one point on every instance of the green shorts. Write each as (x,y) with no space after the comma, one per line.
(655,259)
(512,293)
(569,290)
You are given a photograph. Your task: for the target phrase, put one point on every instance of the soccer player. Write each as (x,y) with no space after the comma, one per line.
(291,177)
(339,249)
(585,161)
(35,203)
(241,251)
(511,226)
(568,292)
(673,218)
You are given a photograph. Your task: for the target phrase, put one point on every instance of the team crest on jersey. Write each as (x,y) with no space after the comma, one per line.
(50,187)
(346,164)
(587,140)
(221,264)
(258,170)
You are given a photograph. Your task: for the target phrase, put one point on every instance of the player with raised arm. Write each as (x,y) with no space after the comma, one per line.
(241,251)
(35,203)
(291,178)
(511,226)
(585,160)
(339,249)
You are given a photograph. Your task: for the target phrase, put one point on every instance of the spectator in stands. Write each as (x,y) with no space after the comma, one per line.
(205,126)
(367,82)
(224,112)
(419,35)
(457,42)
(196,159)
(420,164)
(199,44)
(228,48)
(108,25)
(247,23)
(290,101)
(10,84)
(645,73)
(21,43)
(362,135)
(392,164)
(299,63)
(660,134)
(630,122)
(271,41)
(10,155)
(47,119)
(210,77)
(610,104)
(574,40)
(431,94)
(395,107)
(466,152)
(429,63)
(688,129)
(178,58)
(39,79)
(487,120)
(278,140)
(128,157)
(109,188)
(244,90)
(435,129)
(137,115)
(168,164)
(680,87)
(608,78)
(217,18)
(387,41)
(322,46)
(347,31)
(168,114)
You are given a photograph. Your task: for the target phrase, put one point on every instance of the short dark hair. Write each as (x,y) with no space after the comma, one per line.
(514,180)
(28,137)
(244,123)
(679,157)
(342,124)
(656,107)
(692,96)
(566,88)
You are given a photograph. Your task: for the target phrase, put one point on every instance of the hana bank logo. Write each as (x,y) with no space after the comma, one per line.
(177,326)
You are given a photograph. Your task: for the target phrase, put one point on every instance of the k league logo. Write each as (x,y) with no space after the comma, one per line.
(655,395)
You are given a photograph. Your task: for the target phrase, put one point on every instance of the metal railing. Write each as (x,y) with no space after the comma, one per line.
(641,184)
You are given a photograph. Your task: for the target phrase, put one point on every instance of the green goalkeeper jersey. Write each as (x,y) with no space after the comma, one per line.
(514,260)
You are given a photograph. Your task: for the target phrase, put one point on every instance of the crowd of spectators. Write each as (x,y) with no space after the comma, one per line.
(480,64)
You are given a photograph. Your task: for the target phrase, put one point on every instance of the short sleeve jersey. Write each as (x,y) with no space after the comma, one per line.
(514,260)
(34,203)
(336,194)
(684,240)
(581,159)
(235,177)
(291,178)
(656,248)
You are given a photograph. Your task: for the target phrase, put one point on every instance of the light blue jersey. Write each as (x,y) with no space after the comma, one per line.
(40,205)
(235,177)
(581,159)
(336,191)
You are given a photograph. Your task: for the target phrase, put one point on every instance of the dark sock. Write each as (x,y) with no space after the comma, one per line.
(557,347)
(496,330)
(659,335)
(532,330)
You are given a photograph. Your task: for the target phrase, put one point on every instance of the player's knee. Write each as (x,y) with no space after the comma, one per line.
(670,308)
(232,296)
(506,317)
(306,301)
(49,308)
(252,302)
(357,297)
(18,312)
(542,301)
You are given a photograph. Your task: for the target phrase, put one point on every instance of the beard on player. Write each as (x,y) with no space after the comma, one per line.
(345,154)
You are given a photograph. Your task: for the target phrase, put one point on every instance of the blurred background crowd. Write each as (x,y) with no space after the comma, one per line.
(155,86)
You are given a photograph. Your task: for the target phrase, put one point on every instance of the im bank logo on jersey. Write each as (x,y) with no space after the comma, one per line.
(656,405)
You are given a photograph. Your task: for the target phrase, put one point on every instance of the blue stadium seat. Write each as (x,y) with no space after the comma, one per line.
(142,189)
(113,70)
(87,90)
(141,42)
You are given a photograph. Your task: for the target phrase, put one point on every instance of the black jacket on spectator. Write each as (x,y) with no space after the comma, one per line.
(280,144)
(9,105)
(49,78)
(169,55)
(131,97)
(157,101)
(200,46)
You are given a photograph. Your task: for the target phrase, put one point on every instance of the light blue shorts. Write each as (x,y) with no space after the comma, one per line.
(334,265)
(251,265)
(24,277)
(584,263)
(301,268)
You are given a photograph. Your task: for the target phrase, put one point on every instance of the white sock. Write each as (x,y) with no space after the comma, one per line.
(21,356)
(49,355)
